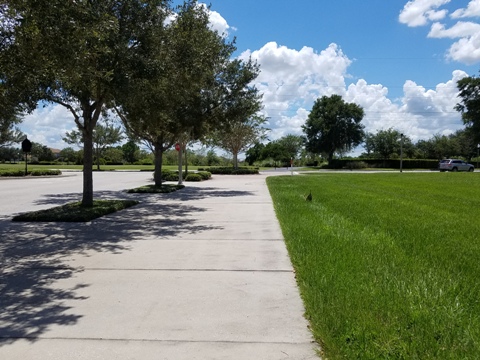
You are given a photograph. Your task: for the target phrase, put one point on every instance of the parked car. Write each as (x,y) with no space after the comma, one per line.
(455,165)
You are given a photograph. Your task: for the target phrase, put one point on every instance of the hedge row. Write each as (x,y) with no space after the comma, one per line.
(168,175)
(378,163)
(19,173)
(231,171)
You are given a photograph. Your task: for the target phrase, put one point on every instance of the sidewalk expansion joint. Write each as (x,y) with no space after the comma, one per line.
(160,269)
(158,340)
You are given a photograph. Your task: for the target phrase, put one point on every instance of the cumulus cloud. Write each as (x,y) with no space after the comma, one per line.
(472,10)
(291,80)
(47,125)
(421,12)
(467,48)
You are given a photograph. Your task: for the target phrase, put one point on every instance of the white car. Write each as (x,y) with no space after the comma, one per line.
(455,165)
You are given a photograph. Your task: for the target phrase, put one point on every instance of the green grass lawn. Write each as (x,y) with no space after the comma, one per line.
(388,265)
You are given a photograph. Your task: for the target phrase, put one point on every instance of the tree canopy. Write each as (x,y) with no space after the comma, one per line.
(333,125)
(78,54)
(469,106)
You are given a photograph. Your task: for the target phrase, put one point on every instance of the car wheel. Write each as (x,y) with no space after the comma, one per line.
(454,169)
(471,169)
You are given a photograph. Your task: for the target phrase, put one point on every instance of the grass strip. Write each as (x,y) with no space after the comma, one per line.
(387,264)
(152,189)
(75,212)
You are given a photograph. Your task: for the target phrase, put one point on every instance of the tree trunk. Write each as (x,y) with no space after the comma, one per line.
(157,175)
(87,199)
(180,167)
(330,157)
(235,160)
(186,161)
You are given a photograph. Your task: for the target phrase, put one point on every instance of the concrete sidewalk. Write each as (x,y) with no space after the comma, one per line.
(202,273)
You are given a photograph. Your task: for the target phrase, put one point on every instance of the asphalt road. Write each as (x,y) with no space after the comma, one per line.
(34,193)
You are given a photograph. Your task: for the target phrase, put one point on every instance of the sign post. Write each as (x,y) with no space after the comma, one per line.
(26,147)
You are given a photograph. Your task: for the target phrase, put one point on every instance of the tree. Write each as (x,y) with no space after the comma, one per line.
(103,136)
(333,125)
(193,86)
(239,136)
(68,155)
(78,54)
(113,155)
(254,153)
(131,151)
(10,154)
(169,103)
(9,132)
(469,106)
(41,152)
(292,144)
(386,143)
(276,151)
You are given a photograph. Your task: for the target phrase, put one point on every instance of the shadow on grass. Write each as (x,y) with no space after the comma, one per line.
(34,256)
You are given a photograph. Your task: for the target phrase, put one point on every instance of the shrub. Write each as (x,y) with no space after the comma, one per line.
(206,175)
(233,171)
(355,165)
(19,173)
(193,177)
(45,172)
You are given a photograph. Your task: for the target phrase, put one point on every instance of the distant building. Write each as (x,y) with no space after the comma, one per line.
(56,152)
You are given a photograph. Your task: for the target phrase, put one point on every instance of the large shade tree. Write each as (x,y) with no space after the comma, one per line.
(192,88)
(77,54)
(469,106)
(333,125)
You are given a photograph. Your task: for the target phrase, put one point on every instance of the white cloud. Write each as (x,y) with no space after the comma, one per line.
(291,80)
(472,10)
(467,48)
(218,23)
(420,12)
(47,125)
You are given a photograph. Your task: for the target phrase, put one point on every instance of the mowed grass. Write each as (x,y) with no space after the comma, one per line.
(388,265)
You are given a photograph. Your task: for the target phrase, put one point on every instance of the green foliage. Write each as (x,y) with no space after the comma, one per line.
(239,135)
(356,165)
(333,126)
(68,155)
(75,212)
(36,172)
(152,189)
(194,177)
(45,172)
(131,152)
(469,107)
(206,175)
(78,54)
(232,171)
(387,264)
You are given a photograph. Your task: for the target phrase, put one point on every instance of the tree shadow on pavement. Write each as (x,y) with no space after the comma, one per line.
(34,256)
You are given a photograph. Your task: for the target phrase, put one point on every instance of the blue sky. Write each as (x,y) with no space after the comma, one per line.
(398,59)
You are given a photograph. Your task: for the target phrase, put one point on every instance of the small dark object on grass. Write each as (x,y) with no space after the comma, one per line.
(309,196)
(75,212)
(152,189)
